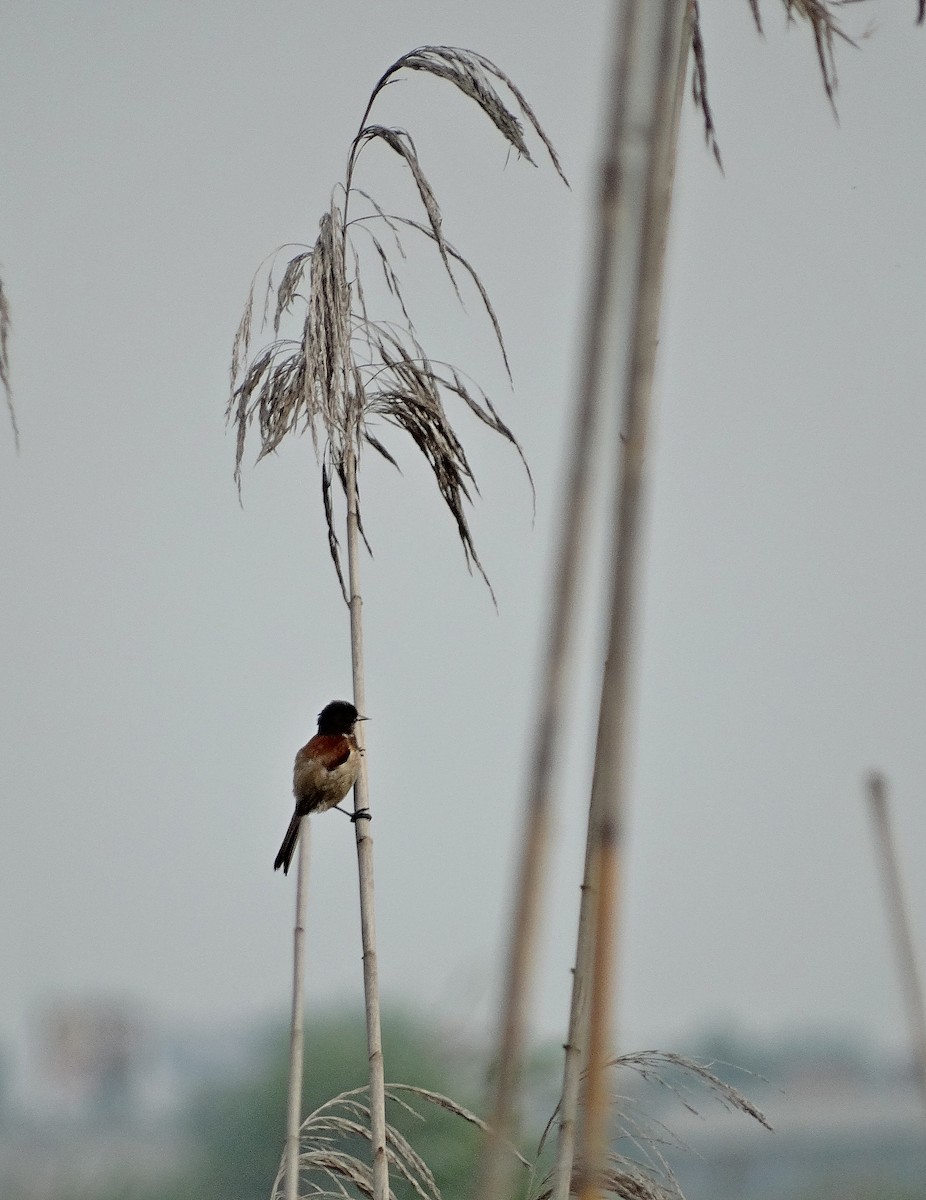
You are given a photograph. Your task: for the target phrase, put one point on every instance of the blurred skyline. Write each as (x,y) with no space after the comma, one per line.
(165,650)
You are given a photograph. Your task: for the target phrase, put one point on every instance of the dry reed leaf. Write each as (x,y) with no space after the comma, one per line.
(699,80)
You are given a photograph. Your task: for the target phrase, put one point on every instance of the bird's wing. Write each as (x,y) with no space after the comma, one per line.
(328,750)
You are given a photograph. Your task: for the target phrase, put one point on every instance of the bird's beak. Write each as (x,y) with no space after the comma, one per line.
(363,718)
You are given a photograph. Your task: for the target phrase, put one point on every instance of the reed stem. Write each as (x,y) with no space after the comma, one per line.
(636,195)
(297,1024)
(365,847)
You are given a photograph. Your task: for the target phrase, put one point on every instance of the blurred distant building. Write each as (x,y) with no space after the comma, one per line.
(98,1096)
(90,1054)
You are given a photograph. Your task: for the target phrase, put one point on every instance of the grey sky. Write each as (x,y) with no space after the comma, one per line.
(164,651)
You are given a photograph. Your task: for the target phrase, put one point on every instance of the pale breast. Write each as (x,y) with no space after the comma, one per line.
(317,789)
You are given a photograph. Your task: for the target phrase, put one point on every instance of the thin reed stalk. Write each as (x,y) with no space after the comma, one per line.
(572,540)
(297,1023)
(377,1089)
(552,691)
(576,1049)
(644,148)
(898,908)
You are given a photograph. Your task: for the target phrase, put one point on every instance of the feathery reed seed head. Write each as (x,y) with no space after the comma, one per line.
(347,373)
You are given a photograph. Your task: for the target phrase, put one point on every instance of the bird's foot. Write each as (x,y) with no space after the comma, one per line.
(362,814)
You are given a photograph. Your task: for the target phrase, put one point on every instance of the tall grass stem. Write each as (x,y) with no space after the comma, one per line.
(297,1024)
(576,1047)
(570,552)
(911,980)
(636,200)
(365,847)
(497,1166)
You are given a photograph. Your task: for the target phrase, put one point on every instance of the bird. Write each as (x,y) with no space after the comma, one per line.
(325,770)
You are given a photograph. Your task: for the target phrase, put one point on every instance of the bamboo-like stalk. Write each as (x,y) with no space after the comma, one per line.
(365,846)
(911,981)
(534,843)
(576,1049)
(297,1023)
(571,545)
(641,197)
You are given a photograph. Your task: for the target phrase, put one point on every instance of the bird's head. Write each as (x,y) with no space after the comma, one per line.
(339,716)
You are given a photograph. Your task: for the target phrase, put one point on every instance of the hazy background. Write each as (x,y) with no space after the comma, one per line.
(165,651)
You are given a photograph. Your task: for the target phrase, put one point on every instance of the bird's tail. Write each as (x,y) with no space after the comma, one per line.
(285,856)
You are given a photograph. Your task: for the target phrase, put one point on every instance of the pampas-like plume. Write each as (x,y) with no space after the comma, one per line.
(643,1171)
(346,368)
(326,1166)
(329,1165)
(636,1167)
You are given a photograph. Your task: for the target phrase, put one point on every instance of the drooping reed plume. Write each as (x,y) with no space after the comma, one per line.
(347,369)
(635,1166)
(333,1133)
(345,375)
